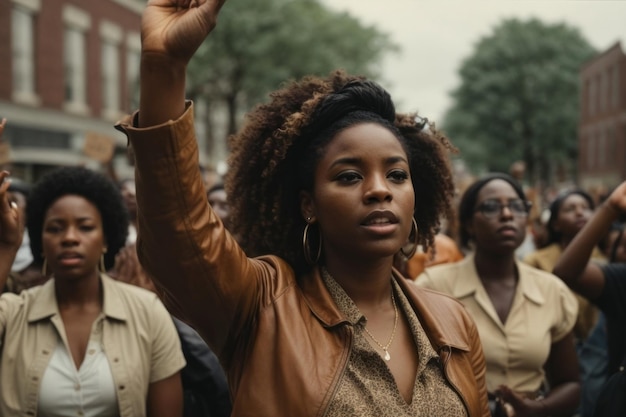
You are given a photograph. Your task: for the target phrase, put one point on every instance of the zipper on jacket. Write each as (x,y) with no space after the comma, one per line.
(446,352)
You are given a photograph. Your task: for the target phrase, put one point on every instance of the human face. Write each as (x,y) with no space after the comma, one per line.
(129,195)
(363,198)
(72,237)
(573,214)
(503,233)
(217,200)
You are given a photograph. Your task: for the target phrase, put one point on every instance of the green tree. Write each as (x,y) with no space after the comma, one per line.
(518,98)
(259,44)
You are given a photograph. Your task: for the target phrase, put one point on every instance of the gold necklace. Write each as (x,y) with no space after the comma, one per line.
(385,348)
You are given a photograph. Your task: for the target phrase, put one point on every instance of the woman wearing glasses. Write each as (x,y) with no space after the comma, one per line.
(524,315)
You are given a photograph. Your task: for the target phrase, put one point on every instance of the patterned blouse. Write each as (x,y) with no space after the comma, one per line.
(368,387)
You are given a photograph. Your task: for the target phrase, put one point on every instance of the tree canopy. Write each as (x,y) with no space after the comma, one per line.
(518,98)
(259,44)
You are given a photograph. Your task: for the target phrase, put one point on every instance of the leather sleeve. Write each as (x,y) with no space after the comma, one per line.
(200,271)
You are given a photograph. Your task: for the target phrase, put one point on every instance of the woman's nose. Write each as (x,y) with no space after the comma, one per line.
(377,189)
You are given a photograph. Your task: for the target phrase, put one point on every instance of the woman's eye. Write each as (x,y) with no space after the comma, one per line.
(348,177)
(399,176)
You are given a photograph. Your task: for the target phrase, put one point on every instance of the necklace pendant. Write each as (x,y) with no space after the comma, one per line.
(387,356)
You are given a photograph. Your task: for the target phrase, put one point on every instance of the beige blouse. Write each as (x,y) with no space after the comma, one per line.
(368,388)
(543,312)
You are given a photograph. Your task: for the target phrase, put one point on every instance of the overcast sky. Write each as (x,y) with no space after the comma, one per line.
(436,35)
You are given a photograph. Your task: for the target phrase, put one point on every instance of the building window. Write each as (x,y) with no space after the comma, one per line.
(590,151)
(110,79)
(592,96)
(77,23)
(23,17)
(111,36)
(133,48)
(601,147)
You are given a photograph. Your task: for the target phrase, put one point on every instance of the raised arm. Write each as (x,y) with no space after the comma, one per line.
(171,31)
(11,229)
(573,267)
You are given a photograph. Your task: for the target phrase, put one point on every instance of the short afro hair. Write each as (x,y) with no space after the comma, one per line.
(94,187)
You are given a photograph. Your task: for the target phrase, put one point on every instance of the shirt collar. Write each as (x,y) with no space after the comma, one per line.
(471,283)
(45,303)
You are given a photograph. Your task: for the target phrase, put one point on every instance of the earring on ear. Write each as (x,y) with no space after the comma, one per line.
(310,256)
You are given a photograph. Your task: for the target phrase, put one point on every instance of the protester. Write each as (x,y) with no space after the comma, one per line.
(87,344)
(524,315)
(205,389)
(569,212)
(11,226)
(218,199)
(127,189)
(605,286)
(325,172)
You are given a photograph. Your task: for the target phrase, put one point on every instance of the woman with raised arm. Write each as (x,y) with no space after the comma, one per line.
(330,183)
(605,286)
(82,343)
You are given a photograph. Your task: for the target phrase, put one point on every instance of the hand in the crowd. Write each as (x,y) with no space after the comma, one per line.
(128,269)
(517,405)
(617,199)
(176,28)
(11,225)
(3,123)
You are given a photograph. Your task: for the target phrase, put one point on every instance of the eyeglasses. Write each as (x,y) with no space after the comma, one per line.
(493,208)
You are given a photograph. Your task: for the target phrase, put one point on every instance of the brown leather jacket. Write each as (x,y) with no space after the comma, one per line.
(282,340)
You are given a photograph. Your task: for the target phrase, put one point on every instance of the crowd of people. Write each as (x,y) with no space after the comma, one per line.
(317,277)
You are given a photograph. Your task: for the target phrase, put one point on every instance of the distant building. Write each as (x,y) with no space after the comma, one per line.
(68,71)
(602,124)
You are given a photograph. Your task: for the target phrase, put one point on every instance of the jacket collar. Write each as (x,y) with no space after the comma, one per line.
(324,308)
(45,302)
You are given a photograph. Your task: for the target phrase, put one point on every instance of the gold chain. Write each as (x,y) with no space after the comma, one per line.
(385,348)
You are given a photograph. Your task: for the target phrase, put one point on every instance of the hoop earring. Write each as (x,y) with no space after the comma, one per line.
(415,241)
(306,247)
(44,267)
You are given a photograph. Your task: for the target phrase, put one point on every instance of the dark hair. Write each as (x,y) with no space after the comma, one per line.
(83,182)
(468,201)
(553,235)
(274,157)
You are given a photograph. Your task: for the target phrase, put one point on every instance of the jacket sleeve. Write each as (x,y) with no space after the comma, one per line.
(198,267)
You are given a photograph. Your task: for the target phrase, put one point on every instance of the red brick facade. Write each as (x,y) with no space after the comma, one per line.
(48,115)
(602,124)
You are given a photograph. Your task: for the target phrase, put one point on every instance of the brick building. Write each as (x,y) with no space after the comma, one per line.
(602,124)
(68,71)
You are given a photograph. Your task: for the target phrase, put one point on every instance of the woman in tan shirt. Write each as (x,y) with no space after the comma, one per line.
(524,316)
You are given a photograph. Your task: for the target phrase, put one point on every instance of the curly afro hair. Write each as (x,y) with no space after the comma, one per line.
(92,186)
(274,157)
